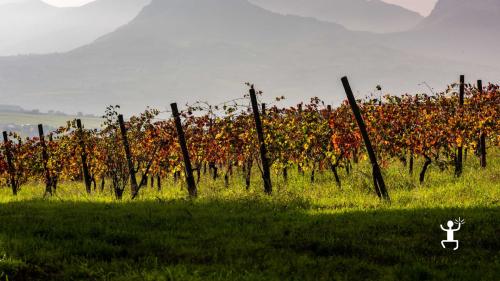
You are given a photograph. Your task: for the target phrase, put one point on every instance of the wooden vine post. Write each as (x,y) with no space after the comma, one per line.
(45,159)
(128,155)
(333,166)
(460,149)
(482,139)
(8,155)
(378,179)
(266,173)
(85,168)
(193,192)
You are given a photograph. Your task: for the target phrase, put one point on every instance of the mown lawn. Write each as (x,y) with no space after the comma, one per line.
(303,232)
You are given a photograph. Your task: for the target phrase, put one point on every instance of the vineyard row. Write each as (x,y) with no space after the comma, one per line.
(244,133)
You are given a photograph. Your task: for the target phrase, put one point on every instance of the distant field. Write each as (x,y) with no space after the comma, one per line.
(20,118)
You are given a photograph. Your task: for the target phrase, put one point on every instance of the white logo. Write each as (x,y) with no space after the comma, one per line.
(450,232)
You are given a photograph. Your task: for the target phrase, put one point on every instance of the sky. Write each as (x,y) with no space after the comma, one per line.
(67,3)
(423,7)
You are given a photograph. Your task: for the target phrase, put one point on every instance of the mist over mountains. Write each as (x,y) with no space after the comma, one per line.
(361,15)
(462,30)
(189,50)
(34,27)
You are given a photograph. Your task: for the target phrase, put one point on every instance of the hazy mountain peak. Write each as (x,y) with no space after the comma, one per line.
(188,22)
(363,15)
(464,14)
(462,30)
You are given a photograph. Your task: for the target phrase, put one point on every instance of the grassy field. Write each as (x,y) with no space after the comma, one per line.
(303,232)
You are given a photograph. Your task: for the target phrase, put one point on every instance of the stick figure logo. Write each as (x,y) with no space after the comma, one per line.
(450,232)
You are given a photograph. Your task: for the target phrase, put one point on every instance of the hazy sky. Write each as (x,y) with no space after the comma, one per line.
(422,6)
(63,3)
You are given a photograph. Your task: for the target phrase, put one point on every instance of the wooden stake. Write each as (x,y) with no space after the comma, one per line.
(45,159)
(380,187)
(133,181)
(482,139)
(85,168)
(193,192)
(266,173)
(460,150)
(12,172)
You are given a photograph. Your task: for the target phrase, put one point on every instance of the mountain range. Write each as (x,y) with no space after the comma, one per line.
(362,15)
(188,50)
(462,30)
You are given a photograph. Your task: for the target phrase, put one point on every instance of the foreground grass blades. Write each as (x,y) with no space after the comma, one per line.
(241,240)
(303,231)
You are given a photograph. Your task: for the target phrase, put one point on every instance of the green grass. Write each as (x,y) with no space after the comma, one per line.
(303,232)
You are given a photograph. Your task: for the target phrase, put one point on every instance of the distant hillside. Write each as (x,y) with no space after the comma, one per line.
(462,30)
(10,108)
(481,16)
(31,26)
(26,123)
(189,50)
(363,15)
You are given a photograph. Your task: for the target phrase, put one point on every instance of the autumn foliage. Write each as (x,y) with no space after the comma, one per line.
(310,136)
